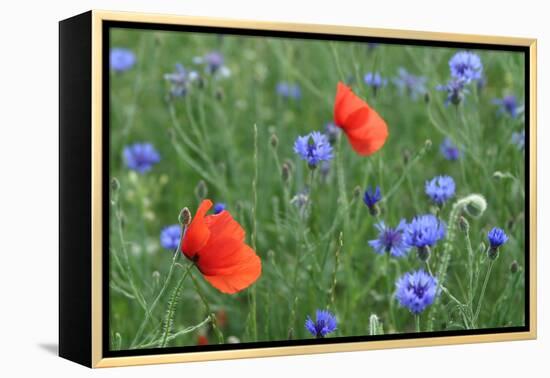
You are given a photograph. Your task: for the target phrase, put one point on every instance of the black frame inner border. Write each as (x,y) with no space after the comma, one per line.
(108,25)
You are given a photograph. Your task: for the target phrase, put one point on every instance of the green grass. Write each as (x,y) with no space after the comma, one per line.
(322,260)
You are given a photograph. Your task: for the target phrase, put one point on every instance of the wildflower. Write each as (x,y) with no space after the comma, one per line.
(410,84)
(416,291)
(423,232)
(170,236)
(214,64)
(390,240)
(219,207)
(216,245)
(313,148)
(325,323)
(449,150)
(507,104)
(440,189)
(180,80)
(141,157)
(456,91)
(497,238)
(301,201)
(121,59)
(375,81)
(202,340)
(286,90)
(371,198)
(365,129)
(518,138)
(332,131)
(466,66)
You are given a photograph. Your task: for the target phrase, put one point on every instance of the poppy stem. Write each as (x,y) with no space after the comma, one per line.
(172,303)
(213,319)
(254,231)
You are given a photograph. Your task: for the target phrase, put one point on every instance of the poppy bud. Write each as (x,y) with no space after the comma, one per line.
(290,334)
(374,325)
(357,192)
(115,185)
(475,205)
(463,224)
(514,267)
(406,155)
(233,340)
(285,172)
(219,94)
(428,144)
(274,141)
(201,190)
(427,98)
(185,217)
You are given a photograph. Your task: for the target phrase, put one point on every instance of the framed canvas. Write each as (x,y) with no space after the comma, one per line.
(235,189)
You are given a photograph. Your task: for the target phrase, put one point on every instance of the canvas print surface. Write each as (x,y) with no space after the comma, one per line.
(277,189)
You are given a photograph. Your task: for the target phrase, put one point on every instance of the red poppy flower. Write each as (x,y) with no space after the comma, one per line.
(366,130)
(215,243)
(202,340)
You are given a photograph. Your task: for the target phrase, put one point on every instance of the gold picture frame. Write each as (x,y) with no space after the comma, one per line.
(93,25)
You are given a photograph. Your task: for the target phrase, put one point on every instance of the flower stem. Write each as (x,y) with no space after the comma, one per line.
(172,303)
(483,288)
(213,319)
(254,230)
(417,323)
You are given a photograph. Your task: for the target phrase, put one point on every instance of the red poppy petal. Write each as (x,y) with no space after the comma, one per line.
(367,131)
(229,265)
(345,103)
(223,226)
(240,279)
(197,233)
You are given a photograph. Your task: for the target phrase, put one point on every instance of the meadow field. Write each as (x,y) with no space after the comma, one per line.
(423,233)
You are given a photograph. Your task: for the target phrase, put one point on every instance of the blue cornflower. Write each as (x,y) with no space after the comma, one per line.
(390,240)
(121,59)
(170,236)
(518,138)
(507,104)
(440,189)
(325,323)
(497,237)
(416,291)
(141,157)
(219,207)
(410,84)
(449,150)
(214,64)
(456,92)
(313,148)
(371,198)
(466,66)
(332,131)
(286,90)
(424,231)
(375,80)
(180,80)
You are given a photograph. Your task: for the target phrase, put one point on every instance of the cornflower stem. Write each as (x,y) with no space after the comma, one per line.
(171,311)
(388,287)
(470,269)
(483,288)
(417,322)
(336,264)
(213,319)
(405,172)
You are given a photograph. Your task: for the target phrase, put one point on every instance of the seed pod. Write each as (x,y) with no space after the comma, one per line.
(201,190)
(185,217)
(274,141)
(514,267)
